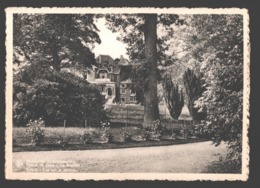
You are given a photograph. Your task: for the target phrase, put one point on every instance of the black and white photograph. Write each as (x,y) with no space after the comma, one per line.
(127,94)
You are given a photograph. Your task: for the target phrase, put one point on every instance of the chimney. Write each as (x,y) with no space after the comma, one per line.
(121,58)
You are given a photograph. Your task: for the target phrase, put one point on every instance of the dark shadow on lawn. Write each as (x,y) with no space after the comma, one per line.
(223,166)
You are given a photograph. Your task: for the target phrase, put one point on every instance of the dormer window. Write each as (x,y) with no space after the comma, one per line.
(102,74)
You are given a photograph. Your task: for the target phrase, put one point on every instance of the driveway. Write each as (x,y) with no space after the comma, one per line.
(185,158)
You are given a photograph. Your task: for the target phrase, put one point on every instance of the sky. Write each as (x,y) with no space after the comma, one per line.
(109,44)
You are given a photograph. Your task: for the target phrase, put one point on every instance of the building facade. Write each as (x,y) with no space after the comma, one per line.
(106,76)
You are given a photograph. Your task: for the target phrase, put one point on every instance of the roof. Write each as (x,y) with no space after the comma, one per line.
(104,58)
(124,62)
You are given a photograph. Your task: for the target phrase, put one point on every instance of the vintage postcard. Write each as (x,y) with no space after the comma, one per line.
(127,94)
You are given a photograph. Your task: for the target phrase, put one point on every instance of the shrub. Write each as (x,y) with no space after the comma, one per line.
(127,136)
(153,132)
(156,130)
(184,132)
(35,131)
(85,137)
(202,129)
(55,96)
(62,141)
(144,134)
(105,134)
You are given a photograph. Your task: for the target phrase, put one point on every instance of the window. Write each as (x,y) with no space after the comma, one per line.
(122,100)
(132,91)
(123,90)
(109,91)
(123,85)
(132,99)
(102,74)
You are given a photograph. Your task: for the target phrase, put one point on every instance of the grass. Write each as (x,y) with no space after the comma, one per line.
(72,136)
(122,115)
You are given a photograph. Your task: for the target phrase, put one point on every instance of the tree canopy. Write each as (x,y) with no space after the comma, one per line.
(216,51)
(46,43)
(59,39)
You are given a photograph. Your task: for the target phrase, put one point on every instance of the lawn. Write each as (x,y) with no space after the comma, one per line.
(124,118)
(72,136)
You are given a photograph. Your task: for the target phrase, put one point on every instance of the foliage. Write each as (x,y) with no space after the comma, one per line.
(60,39)
(202,129)
(156,130)
(55,96)
(35,131)
(132,29)
(184,132)
(144,135)
(221,60)
(85,136)
(62,142)
(173,98)
(153,131)
(105,134)
(127,136)
(194,89)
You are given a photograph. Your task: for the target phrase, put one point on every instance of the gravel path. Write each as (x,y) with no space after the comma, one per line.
(185,158)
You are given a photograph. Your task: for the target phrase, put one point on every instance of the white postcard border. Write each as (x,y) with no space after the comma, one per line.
(125,176)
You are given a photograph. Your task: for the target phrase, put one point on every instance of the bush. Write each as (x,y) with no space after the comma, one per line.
(144,135)
(184,132)
(154,131)
(202,129)
(127,136)
(105,134)
(35,131)
(62,142)
(85,137)
(55,96)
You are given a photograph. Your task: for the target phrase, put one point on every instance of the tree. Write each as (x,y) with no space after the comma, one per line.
(173,97)
(145,49)
(151,111)
(194,90)
(45,43)
(60,39)
(216,45)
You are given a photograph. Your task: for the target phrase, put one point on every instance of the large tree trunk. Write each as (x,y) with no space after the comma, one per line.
(151,112)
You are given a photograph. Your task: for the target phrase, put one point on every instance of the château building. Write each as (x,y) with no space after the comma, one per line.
(107,76)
